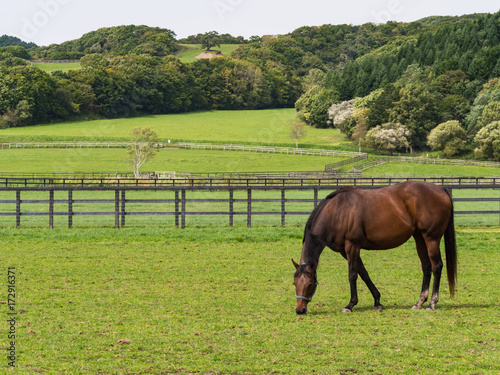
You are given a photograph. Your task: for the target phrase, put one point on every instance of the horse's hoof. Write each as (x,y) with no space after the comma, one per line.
(430,308)
(416,307)
(346,310)
(378,308)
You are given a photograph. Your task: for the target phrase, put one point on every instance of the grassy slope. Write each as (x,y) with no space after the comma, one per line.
(221,301)
(252,127)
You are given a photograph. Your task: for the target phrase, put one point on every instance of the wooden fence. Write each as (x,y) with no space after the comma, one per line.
(263,180)
(19,203)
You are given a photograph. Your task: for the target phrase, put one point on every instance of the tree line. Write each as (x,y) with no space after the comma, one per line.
(132,85)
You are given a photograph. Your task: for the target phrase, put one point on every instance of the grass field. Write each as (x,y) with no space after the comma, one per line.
(52,67)
(158,301)
(178,160)
(190,52)
(409,169)
(262,127)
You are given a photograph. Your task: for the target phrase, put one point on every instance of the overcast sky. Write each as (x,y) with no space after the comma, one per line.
(54,21)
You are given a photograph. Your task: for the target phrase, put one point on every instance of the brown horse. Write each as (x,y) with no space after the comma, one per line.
(351,219)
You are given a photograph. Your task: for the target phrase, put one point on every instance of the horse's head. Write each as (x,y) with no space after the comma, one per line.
(305,282)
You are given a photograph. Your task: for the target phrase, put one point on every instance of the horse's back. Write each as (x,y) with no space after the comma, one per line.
(429,205)
(384,218)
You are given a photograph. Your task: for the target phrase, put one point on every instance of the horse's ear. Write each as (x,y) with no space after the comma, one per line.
(295,264)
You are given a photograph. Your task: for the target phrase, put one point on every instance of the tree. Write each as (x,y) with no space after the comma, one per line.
(488,139)
(210,39)
(418,109)
(142,148)
(360,116)
(340,114)
(490,113)
(449,137)
(388,137)
(298,131)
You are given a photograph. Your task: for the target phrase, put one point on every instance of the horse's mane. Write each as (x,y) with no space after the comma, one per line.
(314,245)
(320,206)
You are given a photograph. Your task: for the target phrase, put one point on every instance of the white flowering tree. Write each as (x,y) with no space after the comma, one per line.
(341,113)
(388,137)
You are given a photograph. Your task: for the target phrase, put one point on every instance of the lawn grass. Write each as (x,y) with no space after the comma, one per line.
(262,127)
(52,67)
(157,301)
(190,51)
(178,160)
(417,169)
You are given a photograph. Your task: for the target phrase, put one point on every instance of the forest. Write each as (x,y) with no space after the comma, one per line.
(392,87)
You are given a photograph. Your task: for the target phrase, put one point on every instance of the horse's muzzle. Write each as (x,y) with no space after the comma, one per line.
(301,310)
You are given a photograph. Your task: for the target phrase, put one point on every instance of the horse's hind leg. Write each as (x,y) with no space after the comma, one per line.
(426,269)
(437,267)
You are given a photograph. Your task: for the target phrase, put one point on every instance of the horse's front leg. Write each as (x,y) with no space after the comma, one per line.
(373,289)
(352,256)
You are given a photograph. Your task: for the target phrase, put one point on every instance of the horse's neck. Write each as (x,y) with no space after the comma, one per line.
(312,248)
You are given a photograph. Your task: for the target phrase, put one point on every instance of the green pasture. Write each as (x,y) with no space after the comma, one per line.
(178,160)
(263,127)
(416,169)
(45,160)
(52,67)
(158,301)
(190,51)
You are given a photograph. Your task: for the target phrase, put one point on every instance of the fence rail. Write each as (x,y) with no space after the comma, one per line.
(249,202)
(298,179)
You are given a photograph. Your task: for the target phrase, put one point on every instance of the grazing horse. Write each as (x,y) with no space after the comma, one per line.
(351,219)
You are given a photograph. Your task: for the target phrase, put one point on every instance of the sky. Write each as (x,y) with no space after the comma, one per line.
(54,21)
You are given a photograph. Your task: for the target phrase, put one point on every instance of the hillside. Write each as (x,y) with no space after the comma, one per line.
(7,40)
(112,41)
(443,67)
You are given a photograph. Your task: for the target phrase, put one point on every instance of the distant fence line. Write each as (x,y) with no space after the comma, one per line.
(179,206)
(420,160)
(269,149)
(187,145)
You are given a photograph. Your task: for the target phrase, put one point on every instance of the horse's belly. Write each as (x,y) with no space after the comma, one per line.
(382,235)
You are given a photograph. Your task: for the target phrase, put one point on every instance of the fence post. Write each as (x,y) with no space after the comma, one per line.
(176,208)
(231,207)
(315,197)
(183,209)
(249,208)
(117,209)
(18,208)
(51,209)
(123,208)
(282,207)
(70,208)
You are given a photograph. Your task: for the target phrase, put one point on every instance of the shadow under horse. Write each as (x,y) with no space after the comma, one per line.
(352,219)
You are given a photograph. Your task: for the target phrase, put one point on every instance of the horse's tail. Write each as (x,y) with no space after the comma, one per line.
(451,249)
